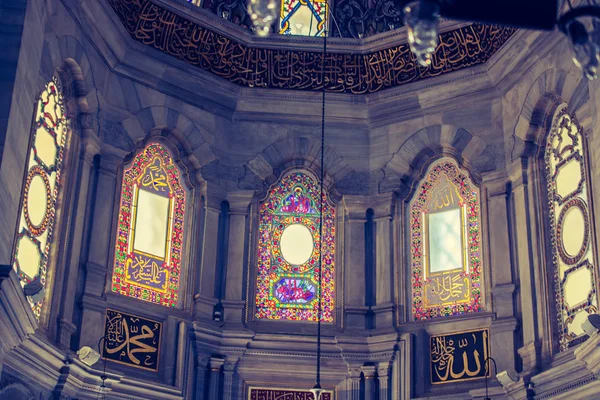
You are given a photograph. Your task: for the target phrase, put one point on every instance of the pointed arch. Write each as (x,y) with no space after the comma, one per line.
(287,281)
(42,188)
(569,206)
(150,228)
(445,243)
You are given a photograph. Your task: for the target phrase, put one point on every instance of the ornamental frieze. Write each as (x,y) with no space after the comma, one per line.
(282,68)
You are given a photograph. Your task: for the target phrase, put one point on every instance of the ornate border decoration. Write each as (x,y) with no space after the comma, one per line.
(45,158)
(564,255)
(470,198)
(565,144)
(125,256)
(173,34)
(37,230)
(272,267)
(264,393)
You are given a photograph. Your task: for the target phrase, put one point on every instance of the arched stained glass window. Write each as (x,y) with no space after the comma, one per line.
(445,244)
(150,231)
(288,252)
(303,17)
(573,253)
(41,190)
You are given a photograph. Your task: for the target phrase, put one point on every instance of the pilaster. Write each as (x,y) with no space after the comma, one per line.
(369,372)
(355,289)
(354,384)
(239,203)
(383,207)
(228,382)
(499,271)
(205,299)
(66,290)
(214,379)
(100,252)
(201,375)
(383,374)
(523,231)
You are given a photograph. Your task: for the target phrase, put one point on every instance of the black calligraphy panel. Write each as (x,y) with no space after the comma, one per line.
(131,340)
(173,34)
(459,356)
(255,393)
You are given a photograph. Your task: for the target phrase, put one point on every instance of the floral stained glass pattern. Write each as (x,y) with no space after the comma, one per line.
(303,17)
(40,193)
(287,281)
(150,231)
(572,252)
(445,244)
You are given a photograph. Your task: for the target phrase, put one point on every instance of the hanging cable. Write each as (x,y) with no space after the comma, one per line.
(322,178)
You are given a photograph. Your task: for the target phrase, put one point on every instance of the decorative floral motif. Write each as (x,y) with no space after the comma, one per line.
(286,291)
(46,152)
(468,199)
(132,267)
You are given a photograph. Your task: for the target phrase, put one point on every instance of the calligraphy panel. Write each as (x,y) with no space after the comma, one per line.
(288,281)
(570,227)
(40,193)
(131,340)
(165,30)
(459,356)
(445,244)
(259,393)
(150,230)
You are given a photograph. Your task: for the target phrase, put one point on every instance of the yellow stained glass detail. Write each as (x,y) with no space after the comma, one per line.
(151,223)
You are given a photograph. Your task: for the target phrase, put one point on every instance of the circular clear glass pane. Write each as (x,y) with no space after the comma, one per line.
(296,244)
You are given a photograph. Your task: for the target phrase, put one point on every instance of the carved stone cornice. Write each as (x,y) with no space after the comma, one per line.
(17,322)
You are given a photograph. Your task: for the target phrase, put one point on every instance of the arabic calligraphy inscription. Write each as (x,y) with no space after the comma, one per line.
(459,356)
(256,393)
(131,340)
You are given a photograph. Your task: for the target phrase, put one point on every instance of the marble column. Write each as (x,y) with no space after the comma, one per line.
(228,383)
(201,365)
(100,247)
(214,378)
(369,372)
(66,290)
(236,257)
(355,307)
(383,207)
(205,299)
(383,375)
(500,271)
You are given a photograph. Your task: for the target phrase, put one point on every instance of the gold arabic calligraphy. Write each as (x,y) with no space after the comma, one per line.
(448,286)
(128,339)
(444,352)
(154,177)
(144,270)
(247,66)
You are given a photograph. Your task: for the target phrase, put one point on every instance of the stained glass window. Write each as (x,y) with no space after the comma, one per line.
(573,253)
(288,252)
(150,231)
(445,244)
(303,17)
(41,189)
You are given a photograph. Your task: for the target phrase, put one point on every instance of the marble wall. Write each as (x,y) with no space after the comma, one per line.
(232,144)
